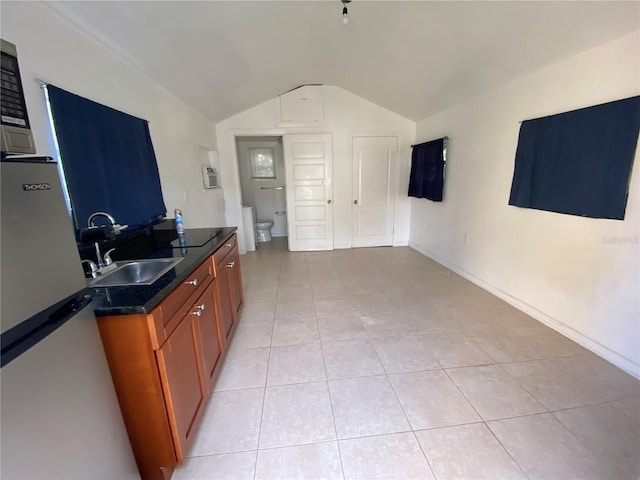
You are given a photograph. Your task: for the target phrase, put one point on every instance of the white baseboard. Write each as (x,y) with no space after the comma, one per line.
(401,243)
(581,339)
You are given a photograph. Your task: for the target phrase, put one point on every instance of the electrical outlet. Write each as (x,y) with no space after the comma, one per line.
(465,239)
(186,195)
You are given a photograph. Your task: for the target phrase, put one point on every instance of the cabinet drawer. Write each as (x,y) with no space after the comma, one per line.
(230,261)
(224,250)
(167,315)
(195,282)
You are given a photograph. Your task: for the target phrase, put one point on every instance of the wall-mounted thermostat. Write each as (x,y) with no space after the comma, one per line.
(209,177)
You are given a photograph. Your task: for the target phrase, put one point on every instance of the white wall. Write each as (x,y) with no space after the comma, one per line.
(52,49)
(578,275)
(344,114)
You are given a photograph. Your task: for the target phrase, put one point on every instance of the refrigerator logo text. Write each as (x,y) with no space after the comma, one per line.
(30,187)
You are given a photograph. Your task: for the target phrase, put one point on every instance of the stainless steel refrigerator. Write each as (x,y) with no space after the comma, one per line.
(59,413)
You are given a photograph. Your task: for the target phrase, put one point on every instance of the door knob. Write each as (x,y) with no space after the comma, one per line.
(355,202)
(328,201)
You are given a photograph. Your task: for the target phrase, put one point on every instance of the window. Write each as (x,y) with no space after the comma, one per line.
(108,160)
(579,162)
(262,163)
(428,160)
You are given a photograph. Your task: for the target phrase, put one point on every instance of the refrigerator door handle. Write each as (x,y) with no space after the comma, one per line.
(17,340)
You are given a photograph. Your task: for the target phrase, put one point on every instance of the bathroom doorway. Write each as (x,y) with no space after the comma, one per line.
(262,180)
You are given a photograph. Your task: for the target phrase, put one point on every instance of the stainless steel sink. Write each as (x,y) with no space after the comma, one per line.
(136,272)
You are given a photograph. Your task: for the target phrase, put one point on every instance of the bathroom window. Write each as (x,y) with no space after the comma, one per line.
(262,163)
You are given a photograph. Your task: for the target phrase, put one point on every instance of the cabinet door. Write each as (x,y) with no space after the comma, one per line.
(204,310)
(235,284)
(225,311)
(180,372)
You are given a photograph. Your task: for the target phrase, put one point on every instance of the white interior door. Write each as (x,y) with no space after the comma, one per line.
(373,192)
(308,162)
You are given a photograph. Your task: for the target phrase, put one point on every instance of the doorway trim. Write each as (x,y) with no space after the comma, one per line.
(233,195)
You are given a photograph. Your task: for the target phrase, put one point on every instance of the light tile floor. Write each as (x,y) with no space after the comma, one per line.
(380,363)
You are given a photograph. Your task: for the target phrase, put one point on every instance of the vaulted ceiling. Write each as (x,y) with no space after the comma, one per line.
(414,58)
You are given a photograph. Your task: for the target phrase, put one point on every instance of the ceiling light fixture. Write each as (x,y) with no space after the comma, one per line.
(345,12)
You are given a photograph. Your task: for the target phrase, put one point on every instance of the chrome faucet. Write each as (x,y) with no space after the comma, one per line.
(93,216)
(93,268)
(103,262)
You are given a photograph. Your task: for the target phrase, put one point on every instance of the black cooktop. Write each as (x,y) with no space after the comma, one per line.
(195,237)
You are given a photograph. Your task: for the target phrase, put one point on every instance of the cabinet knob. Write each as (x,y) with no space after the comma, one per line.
(198,310)
(228,245)
(231,264)
(193,282)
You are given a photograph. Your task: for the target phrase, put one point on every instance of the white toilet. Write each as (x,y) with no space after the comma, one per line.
(264,231)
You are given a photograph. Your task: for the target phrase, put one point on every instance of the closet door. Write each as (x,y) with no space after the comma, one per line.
(373,192)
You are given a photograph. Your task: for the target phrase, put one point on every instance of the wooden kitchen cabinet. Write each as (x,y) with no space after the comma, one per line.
(179,364)
(211,343)
(225,312)
(188,362)
(164,363)
(236,296)
(229,280)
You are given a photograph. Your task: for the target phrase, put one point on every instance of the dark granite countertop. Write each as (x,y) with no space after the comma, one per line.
(201,243)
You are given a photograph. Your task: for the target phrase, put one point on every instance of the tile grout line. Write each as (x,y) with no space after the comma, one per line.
(333,416)
(424,454)
(386,376)
(562,425)
(504,447)
(264,393)
(551,410)
(486,425)
(523,387)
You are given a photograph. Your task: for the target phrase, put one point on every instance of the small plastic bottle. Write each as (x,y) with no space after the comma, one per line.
(177,213)
(182,241)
